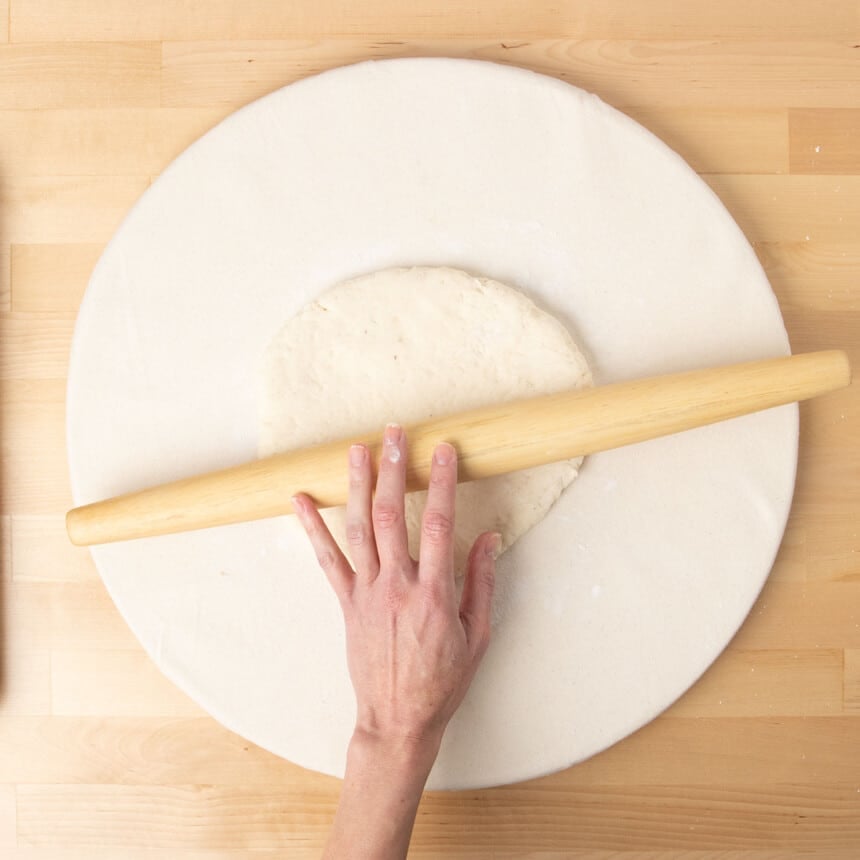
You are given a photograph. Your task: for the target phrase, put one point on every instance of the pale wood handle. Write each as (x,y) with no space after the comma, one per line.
(490,441)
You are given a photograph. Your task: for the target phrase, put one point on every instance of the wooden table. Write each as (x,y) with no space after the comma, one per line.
(100,757)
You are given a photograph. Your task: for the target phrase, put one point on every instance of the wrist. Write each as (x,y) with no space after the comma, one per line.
(382,788)
(397,756)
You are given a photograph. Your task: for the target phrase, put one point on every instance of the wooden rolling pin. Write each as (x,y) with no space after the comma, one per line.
(489,441)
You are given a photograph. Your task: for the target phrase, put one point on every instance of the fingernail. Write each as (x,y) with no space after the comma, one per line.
(356,455)
(493,546)
(391,440)
(443,454)
(298,504)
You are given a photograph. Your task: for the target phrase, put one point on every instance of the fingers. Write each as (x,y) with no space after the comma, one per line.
(476,603)
(436,564)
(389,522)
(359,527)
(329,556)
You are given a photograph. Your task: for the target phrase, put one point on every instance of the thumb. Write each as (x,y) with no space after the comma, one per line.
(476,603)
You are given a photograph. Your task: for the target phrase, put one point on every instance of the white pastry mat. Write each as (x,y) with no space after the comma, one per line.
(640,575)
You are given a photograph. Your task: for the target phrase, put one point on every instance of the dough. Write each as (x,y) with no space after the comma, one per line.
(405,345)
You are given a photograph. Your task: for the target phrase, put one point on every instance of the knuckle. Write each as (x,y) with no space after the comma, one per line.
(482,640)
(436,526)
(326,559)
(395,597)
(357,481)
(386,516)
(435,605)
(355,533)
(431,594)
(478,633)
(487,580)
(441,478)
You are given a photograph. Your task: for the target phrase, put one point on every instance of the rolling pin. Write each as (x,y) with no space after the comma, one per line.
(489,441)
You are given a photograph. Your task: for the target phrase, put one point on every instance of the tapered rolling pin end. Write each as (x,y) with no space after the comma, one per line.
(73,527)
(85,526)
(843,366)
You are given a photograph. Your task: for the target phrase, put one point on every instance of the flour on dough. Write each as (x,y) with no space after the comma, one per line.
(404,345)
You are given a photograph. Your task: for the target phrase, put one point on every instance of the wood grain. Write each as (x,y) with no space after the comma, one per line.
(64,209)
(5,277)
(792,208)
(172,20)
(825,141)
(124,683)
(824,616)
(43,552)
(5,550)
(852,681)
(51,278)
(622,818)
(760,683)
(34,346)
(311,851)
(47,616)
(103,759)
(8,817)
(72,75)
(719,140)
(814,276)
(33,469)
(27,683)
(84,20)
(100,141)
(626,73)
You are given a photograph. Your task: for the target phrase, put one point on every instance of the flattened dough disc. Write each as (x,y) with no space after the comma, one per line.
(643,570)
(364,354)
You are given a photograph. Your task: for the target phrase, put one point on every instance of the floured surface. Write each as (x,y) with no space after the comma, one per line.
(639,575)
(406,345)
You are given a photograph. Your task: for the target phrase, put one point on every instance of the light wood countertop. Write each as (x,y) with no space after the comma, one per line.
(100,757)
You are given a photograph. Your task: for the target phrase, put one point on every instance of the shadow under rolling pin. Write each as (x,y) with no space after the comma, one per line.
(489,441)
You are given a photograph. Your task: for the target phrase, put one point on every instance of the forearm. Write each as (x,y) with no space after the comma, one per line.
(379,800)
(412,646)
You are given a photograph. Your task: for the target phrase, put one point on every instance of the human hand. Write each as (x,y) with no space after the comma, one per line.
(412,649)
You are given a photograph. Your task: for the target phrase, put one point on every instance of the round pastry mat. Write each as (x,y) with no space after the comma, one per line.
(639,576)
